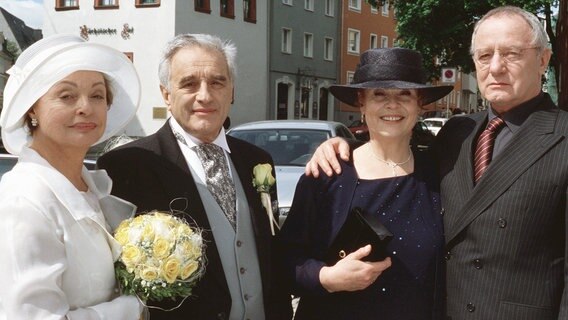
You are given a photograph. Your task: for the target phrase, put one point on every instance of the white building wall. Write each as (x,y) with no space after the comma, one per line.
(152,27)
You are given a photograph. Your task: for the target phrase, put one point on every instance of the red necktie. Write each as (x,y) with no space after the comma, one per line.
(484,148)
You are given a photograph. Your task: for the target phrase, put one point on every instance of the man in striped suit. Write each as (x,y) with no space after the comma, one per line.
(505,219)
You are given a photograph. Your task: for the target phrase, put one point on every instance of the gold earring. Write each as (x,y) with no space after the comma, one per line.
(34,122)
(362,118)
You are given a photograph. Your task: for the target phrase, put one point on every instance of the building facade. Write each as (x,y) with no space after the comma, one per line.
(140,29)
(364,27)
(303,58)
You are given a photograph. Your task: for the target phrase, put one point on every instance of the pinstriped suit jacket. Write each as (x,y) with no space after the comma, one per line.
(506,236)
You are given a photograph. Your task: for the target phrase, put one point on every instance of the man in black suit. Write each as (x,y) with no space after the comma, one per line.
(506,231)
(164,171)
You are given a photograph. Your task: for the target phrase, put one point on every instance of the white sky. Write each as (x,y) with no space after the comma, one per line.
(31,11)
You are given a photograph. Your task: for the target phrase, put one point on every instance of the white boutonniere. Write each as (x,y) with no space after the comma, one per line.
(263,181)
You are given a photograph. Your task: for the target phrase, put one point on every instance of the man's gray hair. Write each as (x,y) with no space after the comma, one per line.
(226,48)
(539,37)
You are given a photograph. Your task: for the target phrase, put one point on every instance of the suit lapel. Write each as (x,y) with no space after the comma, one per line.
(185,184)
(531,142)
(465,160)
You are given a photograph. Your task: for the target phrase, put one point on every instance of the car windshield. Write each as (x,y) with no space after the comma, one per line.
(6,164)
(288,147)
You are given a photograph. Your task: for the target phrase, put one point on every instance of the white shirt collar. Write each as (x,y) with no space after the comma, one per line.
(192,141)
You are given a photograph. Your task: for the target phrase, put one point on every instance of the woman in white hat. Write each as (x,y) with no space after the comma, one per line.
(63,96)
(338,276)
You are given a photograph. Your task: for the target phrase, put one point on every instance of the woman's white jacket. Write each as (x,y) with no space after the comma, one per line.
(56,252)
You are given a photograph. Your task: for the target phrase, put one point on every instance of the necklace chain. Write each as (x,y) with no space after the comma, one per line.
(391,164)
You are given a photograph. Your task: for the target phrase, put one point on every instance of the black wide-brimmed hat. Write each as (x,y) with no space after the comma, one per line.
(390,68)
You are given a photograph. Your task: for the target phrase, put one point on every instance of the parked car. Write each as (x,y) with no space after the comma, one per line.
(359,130)
(8,161)
(436,114)
(291,144)
(435,124)
(422,137)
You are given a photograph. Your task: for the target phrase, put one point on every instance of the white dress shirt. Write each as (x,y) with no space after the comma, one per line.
(189,153)
(57,253)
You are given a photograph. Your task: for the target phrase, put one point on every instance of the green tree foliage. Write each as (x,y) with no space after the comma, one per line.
(441,29)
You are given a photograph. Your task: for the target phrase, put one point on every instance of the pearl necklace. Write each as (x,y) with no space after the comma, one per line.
(393,165)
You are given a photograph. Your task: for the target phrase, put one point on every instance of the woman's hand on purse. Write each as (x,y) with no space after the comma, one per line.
(351,273)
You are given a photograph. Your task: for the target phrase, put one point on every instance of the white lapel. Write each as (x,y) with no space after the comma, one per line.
(115,210)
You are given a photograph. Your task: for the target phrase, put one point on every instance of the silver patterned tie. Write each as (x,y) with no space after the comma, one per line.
(217,178)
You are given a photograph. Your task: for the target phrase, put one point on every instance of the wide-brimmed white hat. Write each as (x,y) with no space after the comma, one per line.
(50,60)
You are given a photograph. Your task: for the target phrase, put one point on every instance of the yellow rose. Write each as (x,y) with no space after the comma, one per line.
(263,178)
(183,230)
(124,225)
(170,269)
(121,236)
(161,248)
(149,273)
(189,269)
(147,232)
(131,256)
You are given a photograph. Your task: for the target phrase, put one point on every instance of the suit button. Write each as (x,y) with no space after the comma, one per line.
(221,316)
(470,307)
(478,264)
(448,256)
(239,243)
(442,211)
(502,223)
(247,297)
(242,270)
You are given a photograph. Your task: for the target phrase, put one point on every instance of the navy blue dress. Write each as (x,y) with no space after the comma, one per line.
(409,206)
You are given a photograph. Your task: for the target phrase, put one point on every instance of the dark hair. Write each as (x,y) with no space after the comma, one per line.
(109,99)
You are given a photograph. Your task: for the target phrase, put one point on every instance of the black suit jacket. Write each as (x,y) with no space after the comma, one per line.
(506,236)
(153,174)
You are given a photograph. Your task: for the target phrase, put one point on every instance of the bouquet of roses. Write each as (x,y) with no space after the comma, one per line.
(162,257)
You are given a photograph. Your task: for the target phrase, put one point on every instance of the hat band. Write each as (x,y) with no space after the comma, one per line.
(374,72)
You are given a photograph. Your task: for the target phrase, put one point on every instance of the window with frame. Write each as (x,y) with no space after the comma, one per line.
(309,5)
(66,4)
(353,41)
(328,49)
(249,10)
(355,5)
(374,9)
(227,8)
(203,6)
(350,75)
(330,8)
(385,9)
(287,2)
(106,4)
(308,45)
(373,41)
(147,3)
(384,42)
(286,40)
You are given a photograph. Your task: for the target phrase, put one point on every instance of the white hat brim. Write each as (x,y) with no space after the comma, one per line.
(80,56)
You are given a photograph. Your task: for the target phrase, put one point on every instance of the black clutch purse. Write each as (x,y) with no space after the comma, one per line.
(359,229)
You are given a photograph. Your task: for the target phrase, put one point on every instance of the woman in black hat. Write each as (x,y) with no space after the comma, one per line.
(388,182)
